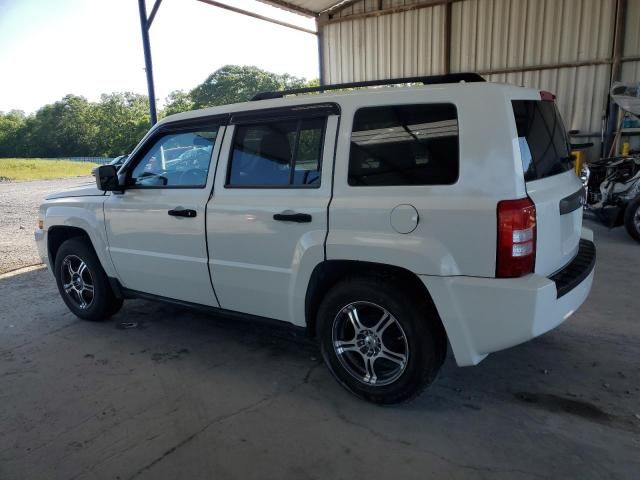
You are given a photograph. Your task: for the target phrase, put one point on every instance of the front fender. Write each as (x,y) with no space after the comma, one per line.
(85,213)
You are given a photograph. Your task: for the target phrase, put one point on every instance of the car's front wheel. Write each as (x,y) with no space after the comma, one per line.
(82,282)
(380,343)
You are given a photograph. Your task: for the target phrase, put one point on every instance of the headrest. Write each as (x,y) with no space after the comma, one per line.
(275,146)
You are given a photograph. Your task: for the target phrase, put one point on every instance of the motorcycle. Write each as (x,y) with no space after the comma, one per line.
(612,184)
(613,192)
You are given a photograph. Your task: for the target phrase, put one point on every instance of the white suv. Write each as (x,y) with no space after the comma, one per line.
(386,222)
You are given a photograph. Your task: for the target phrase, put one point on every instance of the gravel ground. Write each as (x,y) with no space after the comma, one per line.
(19,202)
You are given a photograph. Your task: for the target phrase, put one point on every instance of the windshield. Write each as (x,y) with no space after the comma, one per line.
(544,148)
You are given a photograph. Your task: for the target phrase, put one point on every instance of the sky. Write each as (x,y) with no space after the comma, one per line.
(50,48)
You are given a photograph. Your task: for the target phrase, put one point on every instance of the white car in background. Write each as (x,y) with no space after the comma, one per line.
(385,222)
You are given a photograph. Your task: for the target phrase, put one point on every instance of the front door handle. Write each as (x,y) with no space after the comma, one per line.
(182,212)
(293,217)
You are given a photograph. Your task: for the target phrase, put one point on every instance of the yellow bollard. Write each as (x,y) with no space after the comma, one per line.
(579,160)
(625,149)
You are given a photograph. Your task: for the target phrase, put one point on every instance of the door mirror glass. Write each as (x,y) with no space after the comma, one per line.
(107,178)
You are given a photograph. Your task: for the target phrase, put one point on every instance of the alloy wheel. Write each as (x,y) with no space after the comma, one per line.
(77,281)
(370,343)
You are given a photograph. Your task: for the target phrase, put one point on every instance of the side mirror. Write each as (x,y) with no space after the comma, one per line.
(107,178)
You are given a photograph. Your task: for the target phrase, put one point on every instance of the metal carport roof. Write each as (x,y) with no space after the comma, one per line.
(310,8)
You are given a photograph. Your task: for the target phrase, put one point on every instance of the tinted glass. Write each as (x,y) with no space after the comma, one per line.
(176,160)
(277,153)
(544,148)
(404,145)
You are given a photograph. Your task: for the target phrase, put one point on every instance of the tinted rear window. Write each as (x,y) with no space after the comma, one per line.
(404,145)
(544,148)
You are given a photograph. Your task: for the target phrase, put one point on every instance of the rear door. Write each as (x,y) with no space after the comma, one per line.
(550,181)
(267,220)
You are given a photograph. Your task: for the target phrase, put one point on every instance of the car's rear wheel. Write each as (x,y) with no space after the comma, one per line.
(382,344)
(632,218)
(82,282)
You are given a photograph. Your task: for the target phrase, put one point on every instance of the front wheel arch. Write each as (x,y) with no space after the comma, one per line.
(84,286)
(58,234)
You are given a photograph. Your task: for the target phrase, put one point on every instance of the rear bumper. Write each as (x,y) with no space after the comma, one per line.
(484,315)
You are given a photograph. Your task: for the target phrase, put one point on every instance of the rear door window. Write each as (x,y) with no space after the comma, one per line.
(544,147)
(404,145)
(279,153)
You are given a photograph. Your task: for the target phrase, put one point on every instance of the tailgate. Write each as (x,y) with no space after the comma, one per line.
(550,182)
(558,220)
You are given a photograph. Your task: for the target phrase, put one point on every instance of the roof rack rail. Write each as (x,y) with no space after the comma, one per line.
(430,80)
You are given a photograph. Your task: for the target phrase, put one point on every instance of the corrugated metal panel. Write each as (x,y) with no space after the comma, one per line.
(581,92)
(366,6)
(501,34)
(397,45)
(489,35)
(631,70)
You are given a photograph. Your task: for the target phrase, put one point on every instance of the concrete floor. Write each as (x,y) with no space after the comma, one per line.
(185,395)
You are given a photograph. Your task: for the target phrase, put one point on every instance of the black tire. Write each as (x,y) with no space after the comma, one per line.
(414,326)
(632,218)
(68,270)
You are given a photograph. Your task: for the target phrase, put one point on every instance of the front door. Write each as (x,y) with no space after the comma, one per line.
(156,228)
(267,221)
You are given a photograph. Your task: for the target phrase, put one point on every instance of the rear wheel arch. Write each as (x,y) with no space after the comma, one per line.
(331,272)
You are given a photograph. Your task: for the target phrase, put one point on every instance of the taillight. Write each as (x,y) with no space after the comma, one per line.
(516,252)
(547,96)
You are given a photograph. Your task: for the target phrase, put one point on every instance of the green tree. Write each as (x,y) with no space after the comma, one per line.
(122,119)
(11,127)
(73,126)
(64,128)
(177,101)
(234,83)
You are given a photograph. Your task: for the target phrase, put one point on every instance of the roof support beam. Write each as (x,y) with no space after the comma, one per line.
(340,6)
(152,15)
(386,11)
(290,7)
(555,66)
(257,15)
(321,76)
(148,64)
(618,41)
(447,37)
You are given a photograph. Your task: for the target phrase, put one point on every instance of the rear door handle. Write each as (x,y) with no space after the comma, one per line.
(292,217)
(182,212)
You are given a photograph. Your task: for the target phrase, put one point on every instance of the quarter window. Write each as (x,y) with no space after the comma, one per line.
(277,154)
(176,160)
(404,145)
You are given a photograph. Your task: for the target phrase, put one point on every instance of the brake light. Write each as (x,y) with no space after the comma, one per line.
(516,251)
(547,96)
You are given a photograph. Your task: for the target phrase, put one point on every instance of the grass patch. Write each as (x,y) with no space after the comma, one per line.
(36,169)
